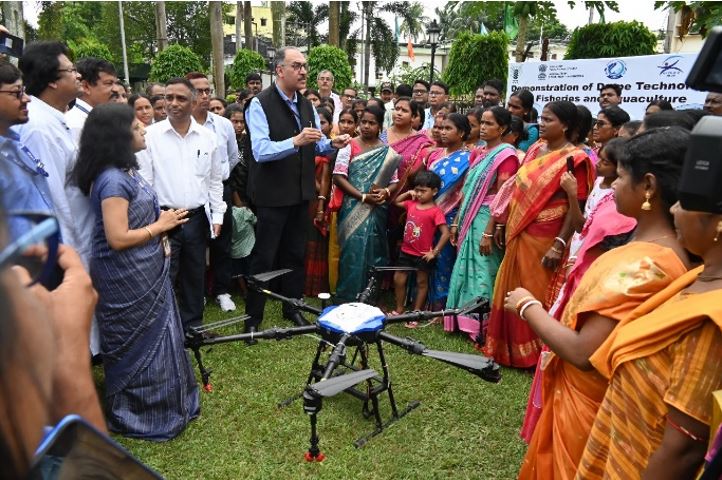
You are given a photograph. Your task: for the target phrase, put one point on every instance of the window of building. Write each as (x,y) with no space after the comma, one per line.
(263,22)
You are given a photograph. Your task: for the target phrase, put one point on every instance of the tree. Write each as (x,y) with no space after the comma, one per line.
(334,12)
(305,17)
(412,18)
(90,47)
(696,16)
(278,15)
(246,61)
(598,7)
(618,39)
(174,61)
(216,24)
(406,74)
(161,25)
(327,57)
(248,25)
(475,58)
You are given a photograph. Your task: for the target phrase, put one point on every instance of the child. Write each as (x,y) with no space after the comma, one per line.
(423,217)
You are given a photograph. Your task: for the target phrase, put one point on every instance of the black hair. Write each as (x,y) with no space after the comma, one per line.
(378,101)
(325,113)
(668,118)
(502,116)
(182,81)
(90,68)
(441,84)
(352,112)
(358,101)
(632,126)
(9,73)
(516,127)
(450,106)
(414,106)
(219,99)
(242,95)
(614,149)
(154,99)
(584,123)
(461,123)
(404,90)
(427,178)
(616,116)
(494,83)
(661,152)
(134,98)
(378,113)
(328,103)
(233,108)
(422,82)
(476,113)
(661,103)
(421,112)
(527,102)
(106,141)
(614,86)
(150,86)
(566,112)
(310,91)
(695,114)
(253,76)
(40,64)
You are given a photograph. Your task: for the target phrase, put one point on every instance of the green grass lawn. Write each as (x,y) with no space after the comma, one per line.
(464,428)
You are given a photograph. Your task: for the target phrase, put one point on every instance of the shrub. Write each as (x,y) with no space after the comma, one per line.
(326,57)
(246,61)
(174,61)
(475,58)
(90,47)
(618,39)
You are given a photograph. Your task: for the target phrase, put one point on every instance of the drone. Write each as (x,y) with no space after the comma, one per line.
(352,329)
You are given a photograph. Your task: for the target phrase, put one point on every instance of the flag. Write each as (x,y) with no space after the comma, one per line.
(510,26)
(410,49)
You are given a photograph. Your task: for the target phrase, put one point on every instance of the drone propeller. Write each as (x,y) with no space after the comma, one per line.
(334,385)
(480,366)
(477,305)
(268,276)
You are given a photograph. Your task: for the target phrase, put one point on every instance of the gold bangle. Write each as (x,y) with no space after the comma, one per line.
(150,233)
(522,300)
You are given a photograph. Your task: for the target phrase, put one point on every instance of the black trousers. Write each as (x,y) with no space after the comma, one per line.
(188,265)
(220,250)
(280,243)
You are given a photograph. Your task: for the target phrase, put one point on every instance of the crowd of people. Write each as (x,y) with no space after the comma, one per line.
(566,221)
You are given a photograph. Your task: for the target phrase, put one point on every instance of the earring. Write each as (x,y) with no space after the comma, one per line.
(646,206)
(719,230)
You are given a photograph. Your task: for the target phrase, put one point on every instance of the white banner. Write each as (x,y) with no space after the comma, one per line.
(643,79)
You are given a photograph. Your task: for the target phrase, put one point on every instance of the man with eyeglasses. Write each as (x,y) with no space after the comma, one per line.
(182,163)
(285,138)
(325,81)
(23,183)
(222,128)
(347,97)
(97,78)
(420,92)
(438,95)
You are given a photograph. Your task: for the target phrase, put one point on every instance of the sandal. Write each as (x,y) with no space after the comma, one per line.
(411,324)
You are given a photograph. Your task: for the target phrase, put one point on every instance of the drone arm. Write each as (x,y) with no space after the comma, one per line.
(408,344)
(339,351)
(197,341)
(299,304)
(478,304)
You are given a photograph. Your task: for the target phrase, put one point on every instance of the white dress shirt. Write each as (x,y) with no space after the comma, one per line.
(75,118)
(226,138)
(337,107)
(48,137)
(186,172)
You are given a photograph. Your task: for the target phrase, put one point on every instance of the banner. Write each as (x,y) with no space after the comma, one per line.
(642,79)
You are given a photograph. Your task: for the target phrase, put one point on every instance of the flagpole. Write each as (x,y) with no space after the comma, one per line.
(122,42)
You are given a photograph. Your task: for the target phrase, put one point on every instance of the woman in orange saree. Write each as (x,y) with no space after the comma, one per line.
(617,283)
(536,229)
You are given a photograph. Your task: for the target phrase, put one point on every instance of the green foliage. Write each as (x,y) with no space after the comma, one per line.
(697,17)
(303,20)
(618,39)
(90,47)
(326,57)
(174,61)
(406,74)
(246,61)
(475,58)
(383,46)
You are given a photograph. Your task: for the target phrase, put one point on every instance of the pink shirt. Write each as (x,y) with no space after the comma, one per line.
(420,228)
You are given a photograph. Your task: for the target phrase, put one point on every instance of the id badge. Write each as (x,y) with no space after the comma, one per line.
(166,244)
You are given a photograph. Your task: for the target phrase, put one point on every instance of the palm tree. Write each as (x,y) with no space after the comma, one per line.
(412,16)
(304,16)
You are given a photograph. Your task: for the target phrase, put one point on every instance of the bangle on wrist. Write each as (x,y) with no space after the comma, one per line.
(522,301)
(363,198)
(321,197)
(454,225)
(150,232)
(562,241)
(499,226)
(487,235)
(388,192)
(526,306)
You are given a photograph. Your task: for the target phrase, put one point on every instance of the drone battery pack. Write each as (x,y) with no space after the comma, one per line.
(700,185)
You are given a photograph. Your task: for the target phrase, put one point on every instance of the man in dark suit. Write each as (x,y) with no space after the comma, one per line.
(285,138)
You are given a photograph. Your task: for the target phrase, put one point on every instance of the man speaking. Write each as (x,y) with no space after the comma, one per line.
(285,138)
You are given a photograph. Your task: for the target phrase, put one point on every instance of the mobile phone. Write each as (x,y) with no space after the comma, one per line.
(11,45)
(76,449)
(570,164)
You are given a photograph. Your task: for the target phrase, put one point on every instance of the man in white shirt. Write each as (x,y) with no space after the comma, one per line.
(325,81)
(182,163)
(220,248)
(97,78)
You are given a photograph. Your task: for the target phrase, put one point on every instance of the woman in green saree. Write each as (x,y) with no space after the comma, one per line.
(366,173)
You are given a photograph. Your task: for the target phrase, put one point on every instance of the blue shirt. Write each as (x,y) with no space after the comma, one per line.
(23,184)
(266,150)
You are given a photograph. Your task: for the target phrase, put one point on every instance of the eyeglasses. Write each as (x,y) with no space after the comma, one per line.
(71,70)
(420,92)
(43,231)
(203,91)
(435,93)
(297,66)
(350,97)
(15,93)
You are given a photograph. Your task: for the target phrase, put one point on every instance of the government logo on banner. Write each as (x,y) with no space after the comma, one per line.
(615,69)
